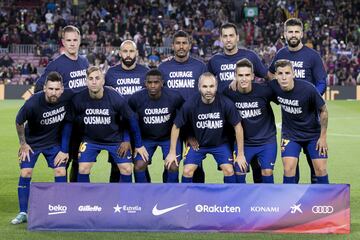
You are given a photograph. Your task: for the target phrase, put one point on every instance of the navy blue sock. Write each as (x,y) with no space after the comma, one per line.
(268,179)
(241,178)
(323,179)
(125,178)
(83,177)
(186,179)
(173,177)
(289,179)
(60,178)
(230,179)
(140,177)
(23,193)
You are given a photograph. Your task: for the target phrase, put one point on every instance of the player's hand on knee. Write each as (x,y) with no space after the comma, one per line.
(170,159)
(240,159)
(123,149)
(143,153)
(60,158)
(24,152)
(193,143)
(321,146)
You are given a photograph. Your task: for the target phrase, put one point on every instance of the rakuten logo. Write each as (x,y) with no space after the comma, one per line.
(57,209)
(88,208)
(217,209)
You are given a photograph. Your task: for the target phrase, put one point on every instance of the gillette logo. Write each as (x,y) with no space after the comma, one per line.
(57,209)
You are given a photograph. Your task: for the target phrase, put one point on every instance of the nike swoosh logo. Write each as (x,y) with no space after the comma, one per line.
(157,212)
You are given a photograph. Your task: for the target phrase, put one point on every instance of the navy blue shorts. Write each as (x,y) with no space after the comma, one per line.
(151,146)
(265,154)
(222,154)
(291,148)
(49,154)
(89,151)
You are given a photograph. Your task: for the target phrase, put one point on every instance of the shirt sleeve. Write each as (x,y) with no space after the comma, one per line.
(319,74)
(23,114)
(259,68)
(182,116)
(39,85)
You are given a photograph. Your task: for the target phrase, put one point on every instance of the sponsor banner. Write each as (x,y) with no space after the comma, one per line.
(279,208)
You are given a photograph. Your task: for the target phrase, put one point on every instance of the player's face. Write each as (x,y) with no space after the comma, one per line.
(128,54)
(229,38)
(95,82)
(181,47)
(71,42)
(208,88)
(285,77)
(154,84)
(293,35)
(244,77)
(53,91)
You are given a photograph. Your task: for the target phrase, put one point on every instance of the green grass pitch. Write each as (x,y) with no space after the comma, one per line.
(343,166)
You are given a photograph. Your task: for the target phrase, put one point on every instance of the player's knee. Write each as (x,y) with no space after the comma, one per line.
(173,168)
(266,172)
(125,168)
(320,170)
(188,171)
(140,166)
(84,169)
(227,169)
(60,171)
(26,172)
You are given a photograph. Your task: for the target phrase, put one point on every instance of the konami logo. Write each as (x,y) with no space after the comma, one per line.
(56,209)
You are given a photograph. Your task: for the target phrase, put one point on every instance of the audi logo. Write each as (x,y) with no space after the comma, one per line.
(322,209)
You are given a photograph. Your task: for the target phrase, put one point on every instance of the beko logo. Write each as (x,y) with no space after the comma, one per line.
(88,208)
(57,209)
(322,209)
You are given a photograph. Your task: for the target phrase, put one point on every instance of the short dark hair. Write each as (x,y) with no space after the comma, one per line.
(283,63)
(207,74)
(181,33)
(69,28)
(54,77)
(293,22)
(228,25)
(244,62)
(153,72)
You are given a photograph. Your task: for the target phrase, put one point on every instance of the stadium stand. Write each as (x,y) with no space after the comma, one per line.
(30,30)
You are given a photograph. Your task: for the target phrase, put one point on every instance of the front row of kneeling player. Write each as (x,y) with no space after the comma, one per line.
(157,116)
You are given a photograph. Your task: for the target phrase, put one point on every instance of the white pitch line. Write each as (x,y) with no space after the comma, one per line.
(344,135)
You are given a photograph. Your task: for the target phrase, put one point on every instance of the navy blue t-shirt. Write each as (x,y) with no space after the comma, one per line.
(209,121)
(156,116)
(126,82)
(72,71)
(223,66)
(307,65)
(300,110)
(100,119)
(182,76)
(257,115)
(44,120)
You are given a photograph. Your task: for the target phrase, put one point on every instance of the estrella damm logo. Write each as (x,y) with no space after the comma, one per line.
(82,147)
(284,143)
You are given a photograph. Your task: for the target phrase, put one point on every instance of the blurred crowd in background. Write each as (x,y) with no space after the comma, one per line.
(30,31)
